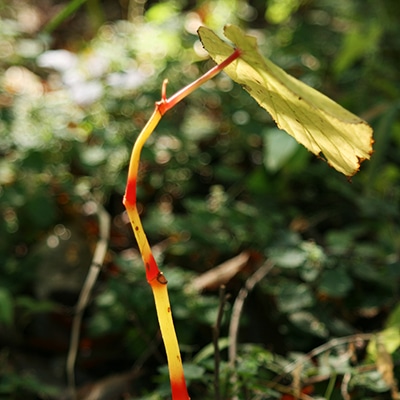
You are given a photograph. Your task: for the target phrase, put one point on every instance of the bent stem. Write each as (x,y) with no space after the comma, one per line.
(154,276)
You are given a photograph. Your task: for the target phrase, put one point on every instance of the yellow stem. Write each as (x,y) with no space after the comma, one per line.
(155,278)
(177,377)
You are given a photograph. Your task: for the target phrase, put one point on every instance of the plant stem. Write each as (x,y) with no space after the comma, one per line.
(167,104)
(155,278)
(331,386)
(216,331)
(69,9)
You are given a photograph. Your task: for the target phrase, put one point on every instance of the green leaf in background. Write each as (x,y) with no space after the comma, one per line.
(65,12)
(279,11)
(293,297)
(335,283)
(307,322)
(6,307)
(394,318)
(42,209)
(312,118)
(34,306)
(279,148)
(389,337)
(289,258)
(358,42)
(209,350)
(193,371)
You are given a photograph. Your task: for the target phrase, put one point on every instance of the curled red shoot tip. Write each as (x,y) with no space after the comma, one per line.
(164,90)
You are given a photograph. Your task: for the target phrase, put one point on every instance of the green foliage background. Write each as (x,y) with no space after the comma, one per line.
(217,178)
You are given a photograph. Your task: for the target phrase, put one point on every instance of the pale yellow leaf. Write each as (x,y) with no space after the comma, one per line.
(312,118)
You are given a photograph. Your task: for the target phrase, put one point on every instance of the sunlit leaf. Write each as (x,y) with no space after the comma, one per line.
(313,119)
(390,337)
(393,320)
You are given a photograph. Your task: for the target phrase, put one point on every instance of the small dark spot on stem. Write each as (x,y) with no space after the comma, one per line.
(162,279)
(169,309)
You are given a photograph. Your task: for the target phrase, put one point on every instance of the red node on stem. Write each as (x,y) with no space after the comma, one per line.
(152,270)
(179,390)
(130,192)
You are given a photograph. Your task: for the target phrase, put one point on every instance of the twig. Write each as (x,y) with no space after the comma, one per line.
(344,387)
(315,352)
(221,274)
(216,330)
(315,379)
(251,281)
(321,349)
(94,270)
(238,307)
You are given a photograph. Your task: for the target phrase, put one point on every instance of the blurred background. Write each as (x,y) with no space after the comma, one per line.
(219,186)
